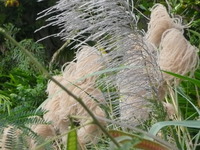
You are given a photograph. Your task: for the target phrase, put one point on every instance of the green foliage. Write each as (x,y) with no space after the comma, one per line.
(23,89)
(23,18)
(190,123)
(21,117)
(5,103)
(21,82)
(15,129)
(196,82)
(13,58)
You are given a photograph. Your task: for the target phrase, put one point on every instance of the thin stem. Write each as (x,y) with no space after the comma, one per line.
(46,73)
(55,55)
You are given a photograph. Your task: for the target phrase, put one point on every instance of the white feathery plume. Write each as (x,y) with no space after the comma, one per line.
(160,21)
(138,85)
(112,26)
(130,55)
(61,106)
(177,55)
(45,131)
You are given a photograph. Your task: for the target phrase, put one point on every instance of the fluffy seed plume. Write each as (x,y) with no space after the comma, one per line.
(160,21)
(111,25)
(177,55)
(45,131)
(61,106)
(138,85)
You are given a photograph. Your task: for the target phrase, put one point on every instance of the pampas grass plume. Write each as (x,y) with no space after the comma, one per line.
(177,55)
(60,105)
(45,131)
(160,21)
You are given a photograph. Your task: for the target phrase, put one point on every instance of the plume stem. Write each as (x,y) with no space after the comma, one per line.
(55,55)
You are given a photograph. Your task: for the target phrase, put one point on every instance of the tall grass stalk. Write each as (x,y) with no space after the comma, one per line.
(183,135)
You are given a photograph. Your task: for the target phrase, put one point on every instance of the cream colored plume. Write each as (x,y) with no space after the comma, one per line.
(177,55)
(160,21)
(138,84)
(76,77)
(44,130)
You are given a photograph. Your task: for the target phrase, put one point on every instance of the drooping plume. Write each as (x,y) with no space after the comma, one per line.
(45,131)
(139,83)
(77,77)
(177,55)
(111,25)
(160,21)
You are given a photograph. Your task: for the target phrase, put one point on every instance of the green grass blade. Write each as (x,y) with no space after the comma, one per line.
(72,141)
(181,92)
(194,81)
(156,127)
(194,32)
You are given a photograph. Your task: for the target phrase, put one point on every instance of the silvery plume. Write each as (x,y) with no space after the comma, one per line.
(130,77)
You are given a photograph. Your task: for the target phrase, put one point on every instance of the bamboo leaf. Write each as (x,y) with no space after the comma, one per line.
(158,126)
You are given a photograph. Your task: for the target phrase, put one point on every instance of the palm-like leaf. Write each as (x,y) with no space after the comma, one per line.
(15,129)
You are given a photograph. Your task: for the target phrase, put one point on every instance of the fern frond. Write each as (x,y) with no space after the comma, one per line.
(15,130)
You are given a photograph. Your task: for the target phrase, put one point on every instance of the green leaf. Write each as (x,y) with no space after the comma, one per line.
(194,32)
(156,127)
(195,81)
(5,102)
(181,92)
(72,140)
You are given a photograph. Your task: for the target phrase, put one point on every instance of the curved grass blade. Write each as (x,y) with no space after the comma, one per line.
(158,126)
(194,81)
(138,142)
(181,92)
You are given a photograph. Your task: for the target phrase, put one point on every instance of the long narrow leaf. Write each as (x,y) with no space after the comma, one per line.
(141,143)
(158,126)
(195,81)
(72,140)
(181,92)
